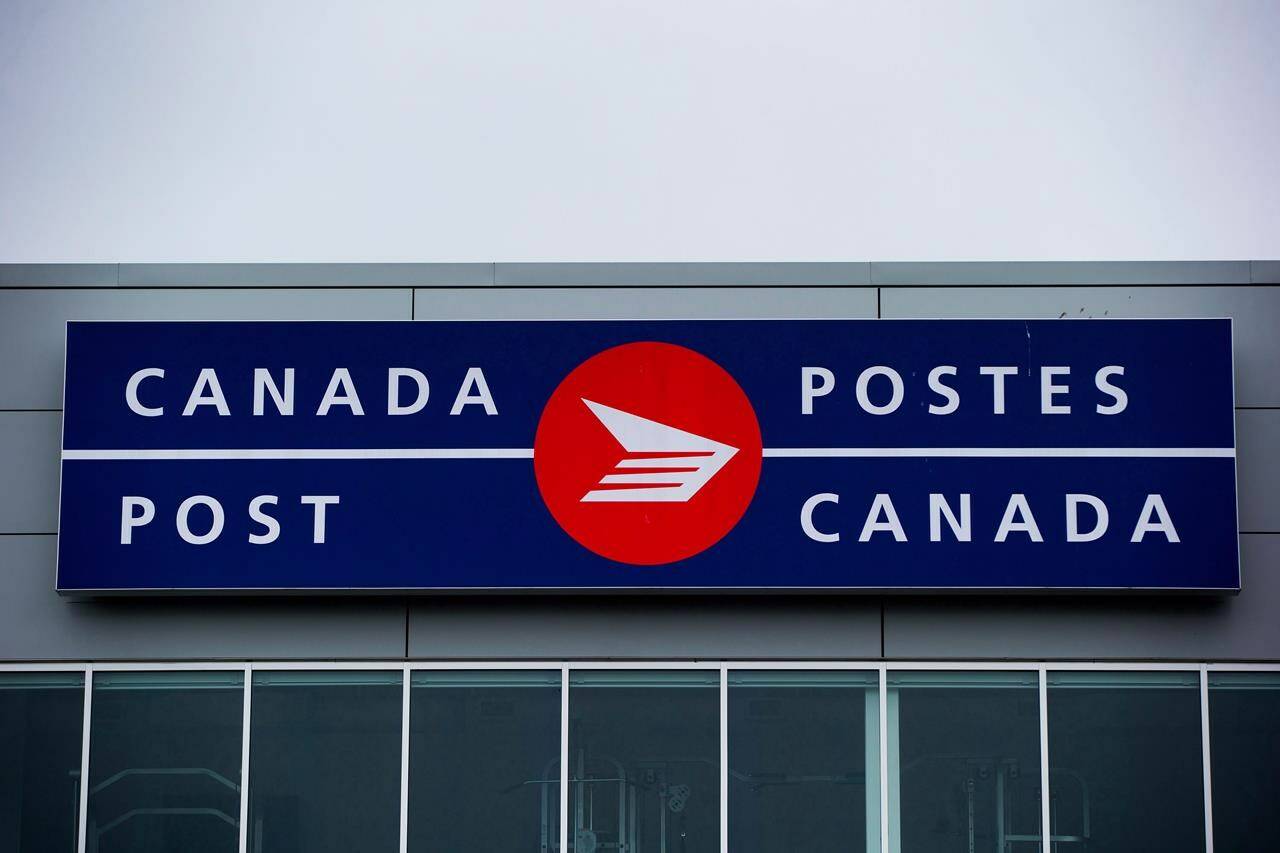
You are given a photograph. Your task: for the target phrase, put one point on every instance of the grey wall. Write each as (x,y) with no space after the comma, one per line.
(37,624)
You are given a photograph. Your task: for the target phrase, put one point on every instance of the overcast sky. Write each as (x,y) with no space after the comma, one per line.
(649,130)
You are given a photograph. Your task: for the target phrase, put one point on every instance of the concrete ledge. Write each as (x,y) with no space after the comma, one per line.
(781,274)
(1265,272)
(701,274)
(305,275)
(59,275)
(1061,272)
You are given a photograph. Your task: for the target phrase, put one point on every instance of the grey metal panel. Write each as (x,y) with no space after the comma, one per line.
(1265,271)
(305,275)
(1242,627)
(30,448)
(1256,311)
(59,275)
(640,627)
(645,303)
(1258,469)
(33,322)
(653,274)
(38,624)
(1060,272)
(639,274)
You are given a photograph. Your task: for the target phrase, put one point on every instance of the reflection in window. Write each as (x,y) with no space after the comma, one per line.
(967,761)
(484,761)
(1125,772)
(1244,733)
(164,762)
(644,757)
(324,767)
(804,766)
(40,722)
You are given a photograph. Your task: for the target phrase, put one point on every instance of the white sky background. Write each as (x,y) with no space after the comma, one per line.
(656,130)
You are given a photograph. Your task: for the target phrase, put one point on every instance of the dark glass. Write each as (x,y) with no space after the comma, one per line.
(164,762)
(644,758)
(968,761)
(1125,771)
(804,766)
(41,715)
(324,766)
(1244,736)
(484,761)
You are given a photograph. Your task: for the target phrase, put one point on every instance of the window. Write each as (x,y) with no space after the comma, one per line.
(1244,733)
(1125,770)
(804,761)
(40,731)
(324,771)
(644,760)
(781,757)
(966,763)
(164,762)
(484,761)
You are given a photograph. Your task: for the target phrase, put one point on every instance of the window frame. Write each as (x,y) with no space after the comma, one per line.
(722,667)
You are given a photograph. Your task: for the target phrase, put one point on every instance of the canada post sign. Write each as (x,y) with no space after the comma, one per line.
(699,454)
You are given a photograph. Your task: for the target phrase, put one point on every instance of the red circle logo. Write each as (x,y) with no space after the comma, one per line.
(647,453)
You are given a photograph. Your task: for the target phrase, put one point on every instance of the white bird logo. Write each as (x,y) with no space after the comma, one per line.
(645,475)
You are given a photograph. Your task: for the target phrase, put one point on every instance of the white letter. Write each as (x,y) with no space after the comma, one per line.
(808,390)
(319,502)
(349,397)
(946,391)
(474,378)
(864,379)
(1154,504)
(128,520)
(215,527)
(131,393)
(960,527)
(263,383)
(1018,504)
(1073,518)
(997,375)
(806,518)
(394,375)
(207,379)
(256,514)
(1048,390)
(1117,393)
(882,506)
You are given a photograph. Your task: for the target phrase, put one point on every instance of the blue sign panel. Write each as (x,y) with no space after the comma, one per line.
(645,455)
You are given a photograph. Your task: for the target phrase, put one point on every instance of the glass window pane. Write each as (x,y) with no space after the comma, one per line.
(1244,736)
(644,753)
(968,761)
(804,765)
(40,735)
(1125,772)
(324,765)
(484,761)
(164,762)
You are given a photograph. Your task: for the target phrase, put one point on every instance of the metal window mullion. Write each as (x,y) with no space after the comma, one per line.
(246,714)
(1045,839)
(404,765)
(1205,756)
(884,760)
(564,759)
(85,729)
(724,759)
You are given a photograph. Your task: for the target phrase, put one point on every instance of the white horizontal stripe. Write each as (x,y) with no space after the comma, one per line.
(1016,452)
(338,453)
(769,452)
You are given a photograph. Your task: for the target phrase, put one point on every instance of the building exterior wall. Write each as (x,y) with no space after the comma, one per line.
(38,625)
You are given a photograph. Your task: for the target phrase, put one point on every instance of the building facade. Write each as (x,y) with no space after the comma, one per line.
(634,722)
